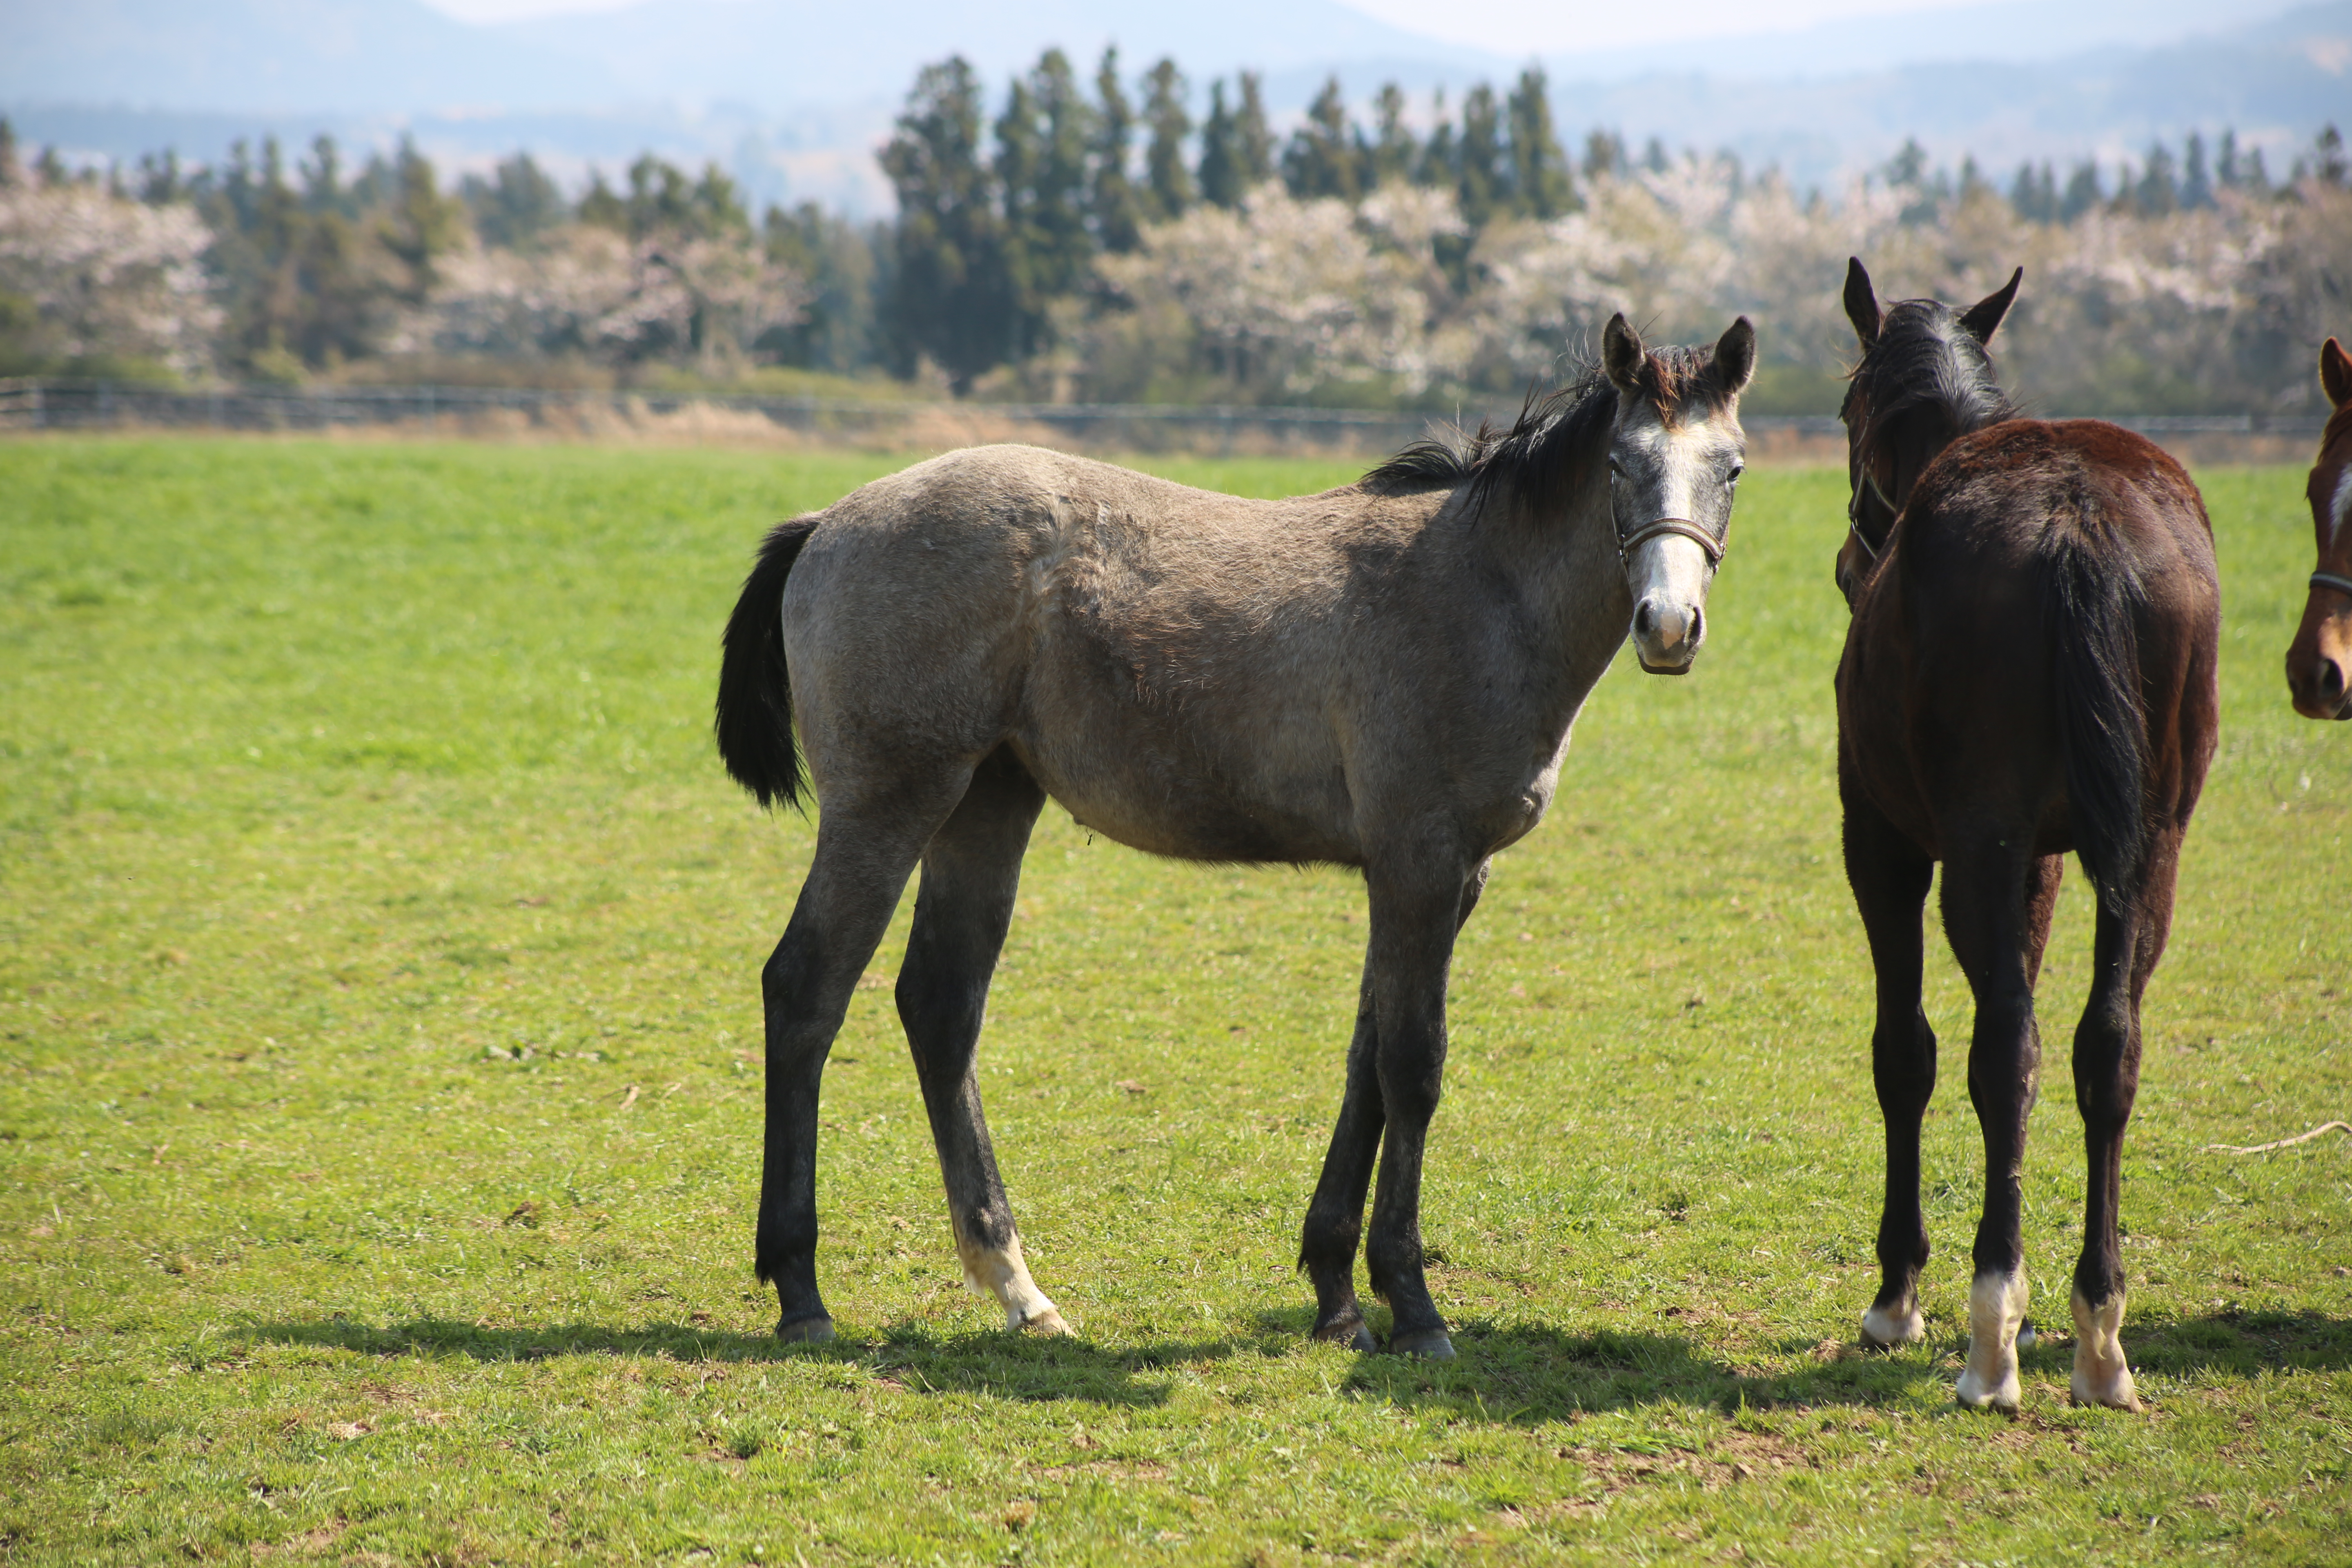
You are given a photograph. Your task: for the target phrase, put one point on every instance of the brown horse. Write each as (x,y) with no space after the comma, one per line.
(2030,670)
(1383,676)
(2320,657)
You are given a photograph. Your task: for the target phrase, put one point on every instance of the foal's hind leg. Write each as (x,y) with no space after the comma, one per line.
(1986,893)
(2131,936)
(863,855)
(970,872)
(1890,879)
(1335,1218)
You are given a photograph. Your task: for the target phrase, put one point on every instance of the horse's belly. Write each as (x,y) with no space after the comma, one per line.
(1162,796)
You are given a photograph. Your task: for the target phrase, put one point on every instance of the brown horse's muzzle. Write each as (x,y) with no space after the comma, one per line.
(2319,661)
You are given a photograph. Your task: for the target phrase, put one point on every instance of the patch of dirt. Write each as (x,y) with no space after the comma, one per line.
(314,1542)
(1727,1460)
(1114,1470)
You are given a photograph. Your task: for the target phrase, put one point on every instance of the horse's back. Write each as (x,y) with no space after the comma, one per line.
(1952,691)
(1136,642)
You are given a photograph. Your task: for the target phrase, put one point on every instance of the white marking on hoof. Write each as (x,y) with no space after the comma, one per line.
(1884,1329)
(1431,1346)
(1000,1273)
(2102,1376)
(2027,1336)
(1996,1307)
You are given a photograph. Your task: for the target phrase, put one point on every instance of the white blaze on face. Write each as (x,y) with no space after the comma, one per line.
(2339,506)
(1669,574)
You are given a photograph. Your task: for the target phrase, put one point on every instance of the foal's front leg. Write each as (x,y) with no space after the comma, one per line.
(1335,1217)
(1413,926)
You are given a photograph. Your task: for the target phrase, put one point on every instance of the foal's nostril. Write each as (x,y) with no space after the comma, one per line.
(1698,625)
(2331,681)
(1645,618)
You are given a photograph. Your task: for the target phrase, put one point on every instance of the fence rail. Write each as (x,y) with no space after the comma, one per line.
(75,404)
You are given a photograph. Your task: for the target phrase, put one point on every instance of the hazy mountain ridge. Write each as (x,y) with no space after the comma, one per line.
(794,101)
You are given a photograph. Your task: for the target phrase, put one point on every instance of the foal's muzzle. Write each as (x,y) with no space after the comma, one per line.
(1669,612)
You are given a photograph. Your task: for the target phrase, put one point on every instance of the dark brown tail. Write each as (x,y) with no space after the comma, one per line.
(755,723)
(2092,603)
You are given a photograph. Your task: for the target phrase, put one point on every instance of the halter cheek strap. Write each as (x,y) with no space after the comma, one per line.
(1682,527)
(2330,580)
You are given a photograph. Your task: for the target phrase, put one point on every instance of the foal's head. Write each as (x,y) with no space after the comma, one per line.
(1924,381)
(2319,661)
(1675,452)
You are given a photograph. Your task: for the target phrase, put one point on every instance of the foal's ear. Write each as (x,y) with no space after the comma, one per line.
(1622,353)
(1861,303)
(1982,317)
(1735,355)
(2336,373)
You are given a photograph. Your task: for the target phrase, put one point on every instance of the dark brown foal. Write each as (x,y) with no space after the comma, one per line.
(2030,671)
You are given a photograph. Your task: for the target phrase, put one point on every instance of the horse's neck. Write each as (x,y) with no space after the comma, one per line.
(1571,588)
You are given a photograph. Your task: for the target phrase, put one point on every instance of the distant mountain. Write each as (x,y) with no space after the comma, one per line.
(772,54)
(276,55)
(793,99)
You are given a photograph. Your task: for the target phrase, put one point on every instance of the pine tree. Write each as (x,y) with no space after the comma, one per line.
(517,205)
(2158,190)
(1221,160)
(1253,139)
(2226,170)
(1604,155)
(2083,192)
(1169,181)
(1320,159)
(11,171)
(2328,166)
(600,208)
(951,299)
(1542,186)
(1117,207)
(1441,155)
(1394,153)
(2196,183)
(1484,185)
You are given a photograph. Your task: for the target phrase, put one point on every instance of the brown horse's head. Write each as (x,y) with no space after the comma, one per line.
(2319,660)
(1924,381)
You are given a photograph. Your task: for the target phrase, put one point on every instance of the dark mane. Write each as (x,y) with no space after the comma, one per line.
(1551,448)
(1924,359)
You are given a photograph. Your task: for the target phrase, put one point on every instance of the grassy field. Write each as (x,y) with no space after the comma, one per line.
(379,1098)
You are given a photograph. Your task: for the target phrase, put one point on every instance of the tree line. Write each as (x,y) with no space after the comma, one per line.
(1092,237)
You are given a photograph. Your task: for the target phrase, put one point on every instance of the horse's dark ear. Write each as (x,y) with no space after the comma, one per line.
(1982,317)
(1735,355)
(1861,303)
(2336,373)
(1622,353)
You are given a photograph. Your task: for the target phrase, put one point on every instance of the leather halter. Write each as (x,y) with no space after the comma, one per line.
(1853,517)
(2330,580)
(1681,527)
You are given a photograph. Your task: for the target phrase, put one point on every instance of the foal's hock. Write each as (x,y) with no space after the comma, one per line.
(1383,676)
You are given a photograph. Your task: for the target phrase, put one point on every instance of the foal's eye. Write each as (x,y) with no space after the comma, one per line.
(1736,470)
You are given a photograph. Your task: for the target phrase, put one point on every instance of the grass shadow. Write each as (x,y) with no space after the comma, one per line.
(1005,1365)
(1528,1375)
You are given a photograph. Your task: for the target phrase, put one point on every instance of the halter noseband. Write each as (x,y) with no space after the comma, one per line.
(1853,516)
(1681,527)
(2330,580)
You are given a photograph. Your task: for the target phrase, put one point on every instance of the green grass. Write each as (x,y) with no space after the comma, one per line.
(379,1097)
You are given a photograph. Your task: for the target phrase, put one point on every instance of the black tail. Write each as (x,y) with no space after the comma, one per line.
(754,723)
(2091,604)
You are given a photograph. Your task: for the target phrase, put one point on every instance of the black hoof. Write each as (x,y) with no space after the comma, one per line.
(806,1330)
(1349,1331)
(1430,1346)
